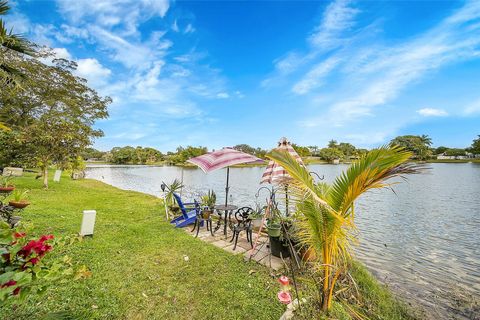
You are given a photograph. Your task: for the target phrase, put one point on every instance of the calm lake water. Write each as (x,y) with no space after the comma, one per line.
(423,240)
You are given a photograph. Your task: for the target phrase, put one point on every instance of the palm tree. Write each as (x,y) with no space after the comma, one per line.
(9,41)
(325,213)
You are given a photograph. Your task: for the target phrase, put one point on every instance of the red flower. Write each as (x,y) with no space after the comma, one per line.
(9,284)
(16,291)
(34,261)
(46,237)
(19,235)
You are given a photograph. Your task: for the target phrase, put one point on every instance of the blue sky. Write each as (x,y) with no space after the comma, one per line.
(222,73)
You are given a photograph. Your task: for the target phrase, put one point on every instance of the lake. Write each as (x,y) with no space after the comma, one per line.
(423,241)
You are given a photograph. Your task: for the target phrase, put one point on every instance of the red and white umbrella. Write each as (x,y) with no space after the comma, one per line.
(276,173)
(223,158)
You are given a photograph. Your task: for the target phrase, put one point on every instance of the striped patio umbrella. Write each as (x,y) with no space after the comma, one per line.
(223,158)
(274,172)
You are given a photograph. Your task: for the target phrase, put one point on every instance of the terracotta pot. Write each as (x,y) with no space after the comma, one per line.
(19,204)
(7,189)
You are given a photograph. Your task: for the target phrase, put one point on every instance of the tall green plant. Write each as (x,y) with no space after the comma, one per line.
(326,212)
(174,187)
(9,41)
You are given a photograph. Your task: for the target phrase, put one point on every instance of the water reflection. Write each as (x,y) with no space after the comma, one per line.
(423,240)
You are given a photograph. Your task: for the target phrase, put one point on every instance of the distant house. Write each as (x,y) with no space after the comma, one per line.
(444,156)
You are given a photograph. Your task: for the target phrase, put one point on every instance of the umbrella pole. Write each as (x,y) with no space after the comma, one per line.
(227,187)
(226,202)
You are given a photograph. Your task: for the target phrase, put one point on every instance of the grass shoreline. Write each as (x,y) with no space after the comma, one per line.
(139,270)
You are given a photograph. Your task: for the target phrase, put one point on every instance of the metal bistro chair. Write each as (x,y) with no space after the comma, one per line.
(201,220)
(244,222)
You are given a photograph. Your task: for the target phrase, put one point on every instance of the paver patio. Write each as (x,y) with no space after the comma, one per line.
(261,254)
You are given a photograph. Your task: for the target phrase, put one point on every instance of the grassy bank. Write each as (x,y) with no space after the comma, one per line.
(137,261)
(139,271)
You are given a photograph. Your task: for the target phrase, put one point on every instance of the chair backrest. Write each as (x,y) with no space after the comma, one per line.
(243,214)
(180,204)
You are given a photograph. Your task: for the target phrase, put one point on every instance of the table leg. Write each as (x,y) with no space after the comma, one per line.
(225,227)
(219,222)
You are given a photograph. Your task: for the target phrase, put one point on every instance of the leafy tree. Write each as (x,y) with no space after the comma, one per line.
(347,149)
(455,152)
(475,148)
(330,154)
(245,148)
(440,150)
(54,113)
(122,155)
(92,153)
(313,150)
(261,153)
(302,151)
(332,143)
(183,154)
(419,145)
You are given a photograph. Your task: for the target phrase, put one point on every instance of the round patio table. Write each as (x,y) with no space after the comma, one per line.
(227,209)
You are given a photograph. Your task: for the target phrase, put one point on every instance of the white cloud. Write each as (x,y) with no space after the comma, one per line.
(189,29)
(175,26)
(432,112)
(109,13)
(313,78)
(62,53)
(223,95)
(338,17)
(472,108)
(90,69)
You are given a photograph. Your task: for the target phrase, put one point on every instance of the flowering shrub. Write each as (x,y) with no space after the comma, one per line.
(23,269)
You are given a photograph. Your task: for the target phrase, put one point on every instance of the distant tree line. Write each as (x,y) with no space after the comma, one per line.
(419,145)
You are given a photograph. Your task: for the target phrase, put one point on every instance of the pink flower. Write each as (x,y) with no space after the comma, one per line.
(283,280)
(284,297)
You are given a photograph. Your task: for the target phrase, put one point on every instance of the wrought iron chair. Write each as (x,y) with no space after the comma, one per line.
(244,222)
(201,220)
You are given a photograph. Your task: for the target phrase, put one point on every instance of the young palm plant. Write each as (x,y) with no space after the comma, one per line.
(14,42)
(325,212)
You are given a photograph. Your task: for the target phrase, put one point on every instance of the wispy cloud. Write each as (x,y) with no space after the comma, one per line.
(432,112)
(348,73)
(472,108)
(337,20)
(313,78)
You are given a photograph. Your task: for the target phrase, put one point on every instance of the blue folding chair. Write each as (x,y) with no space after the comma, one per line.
(189,213)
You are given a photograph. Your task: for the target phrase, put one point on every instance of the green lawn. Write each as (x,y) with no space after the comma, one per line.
(137,261)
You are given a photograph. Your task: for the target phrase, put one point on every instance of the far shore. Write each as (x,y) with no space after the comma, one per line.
(246,165)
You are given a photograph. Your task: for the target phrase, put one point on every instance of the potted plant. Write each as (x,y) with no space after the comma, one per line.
(274,228)
(19,199)
(208,202)
(257,219)
(5,185)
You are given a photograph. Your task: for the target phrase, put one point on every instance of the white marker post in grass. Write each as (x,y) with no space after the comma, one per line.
(88,223)
(58,174)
